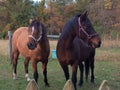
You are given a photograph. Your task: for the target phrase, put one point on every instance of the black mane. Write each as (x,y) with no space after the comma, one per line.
(70,26)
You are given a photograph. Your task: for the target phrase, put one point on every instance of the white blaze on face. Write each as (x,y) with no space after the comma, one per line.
(33,29)
(31,36)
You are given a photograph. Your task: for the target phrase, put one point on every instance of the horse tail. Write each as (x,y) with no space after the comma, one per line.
(11,58)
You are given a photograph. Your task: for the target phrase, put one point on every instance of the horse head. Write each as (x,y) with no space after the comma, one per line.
(87,32)
(34,34)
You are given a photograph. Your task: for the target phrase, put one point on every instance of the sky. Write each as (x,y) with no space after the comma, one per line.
(36,0)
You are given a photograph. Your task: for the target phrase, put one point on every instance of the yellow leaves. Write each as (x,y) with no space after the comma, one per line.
(7,27)
(108,4)
(116,25)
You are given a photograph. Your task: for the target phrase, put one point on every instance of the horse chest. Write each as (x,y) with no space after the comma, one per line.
(39,53)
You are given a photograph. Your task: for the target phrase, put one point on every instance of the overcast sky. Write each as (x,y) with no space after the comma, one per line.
(36,0)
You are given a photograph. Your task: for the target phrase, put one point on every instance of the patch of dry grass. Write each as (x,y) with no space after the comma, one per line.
(109,51)
(111,43)
(53,44)
(108,54)
(3,47)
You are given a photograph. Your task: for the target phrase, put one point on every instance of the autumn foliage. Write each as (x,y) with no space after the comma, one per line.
(104,14)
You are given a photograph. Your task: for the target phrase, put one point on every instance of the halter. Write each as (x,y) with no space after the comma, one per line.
(31,36)
(83,30)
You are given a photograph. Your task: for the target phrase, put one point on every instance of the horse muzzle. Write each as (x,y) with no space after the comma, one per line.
(31,46)
(95,45)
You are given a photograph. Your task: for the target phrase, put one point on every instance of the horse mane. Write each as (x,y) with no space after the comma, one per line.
(69,26)
(44,33)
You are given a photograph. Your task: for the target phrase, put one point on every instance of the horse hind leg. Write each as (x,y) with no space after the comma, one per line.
(66,70)
(15,61)
(44,67)
(26,62)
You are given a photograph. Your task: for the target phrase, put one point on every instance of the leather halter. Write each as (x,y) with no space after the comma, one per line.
(84,31)
(31,36)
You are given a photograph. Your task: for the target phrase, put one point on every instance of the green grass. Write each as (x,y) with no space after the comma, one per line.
(107,67)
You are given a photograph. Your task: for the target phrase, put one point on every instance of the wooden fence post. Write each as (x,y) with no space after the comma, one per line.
(68,85)
(10,44)
(32,85)
(104,85)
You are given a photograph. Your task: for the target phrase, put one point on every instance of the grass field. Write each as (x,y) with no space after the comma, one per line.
(107,66)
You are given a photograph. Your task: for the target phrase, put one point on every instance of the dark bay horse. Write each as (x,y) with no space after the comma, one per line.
(88,62)
(32,43)
(68,48)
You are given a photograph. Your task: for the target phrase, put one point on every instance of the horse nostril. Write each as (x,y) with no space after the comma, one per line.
(29,44)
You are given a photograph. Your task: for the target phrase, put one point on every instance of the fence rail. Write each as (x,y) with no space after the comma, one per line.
(53,36)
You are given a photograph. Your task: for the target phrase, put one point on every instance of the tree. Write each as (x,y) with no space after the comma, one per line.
(41,8)
(17,12)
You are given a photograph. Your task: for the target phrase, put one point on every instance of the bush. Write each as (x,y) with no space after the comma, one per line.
(3,34)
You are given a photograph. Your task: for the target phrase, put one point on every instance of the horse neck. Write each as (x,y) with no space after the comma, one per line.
(67,40)
(68,34)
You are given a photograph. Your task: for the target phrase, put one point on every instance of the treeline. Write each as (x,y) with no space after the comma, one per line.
(104,14)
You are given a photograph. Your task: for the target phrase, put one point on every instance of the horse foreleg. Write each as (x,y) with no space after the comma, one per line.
(65,69)
(35,72)
(92,69)
(74,75)
(26,62)
(15,60)
(44,67)
(87,69)
(81,68)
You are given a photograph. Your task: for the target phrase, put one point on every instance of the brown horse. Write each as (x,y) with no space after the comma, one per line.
(32,43)
(68,48)
(88,62)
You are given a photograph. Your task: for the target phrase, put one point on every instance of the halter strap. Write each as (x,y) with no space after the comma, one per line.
(83,30)
(31,36)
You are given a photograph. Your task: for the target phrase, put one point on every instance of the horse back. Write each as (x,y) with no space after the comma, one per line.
(19,36)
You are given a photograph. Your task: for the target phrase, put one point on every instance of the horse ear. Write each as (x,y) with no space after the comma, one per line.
(30,20)
(38,19)
(84,15)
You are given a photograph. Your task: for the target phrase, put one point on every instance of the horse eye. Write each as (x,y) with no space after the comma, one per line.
(88,26)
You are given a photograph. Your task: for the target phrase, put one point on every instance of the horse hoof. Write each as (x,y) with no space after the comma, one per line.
(92,81)
(80,84)
(14,76)
(28,79)
(47,85)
